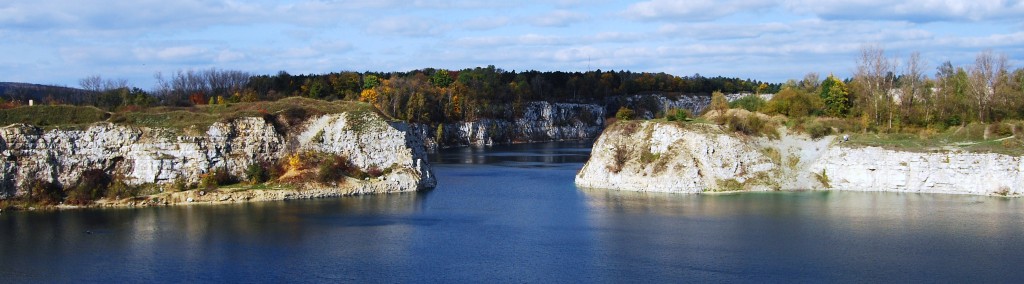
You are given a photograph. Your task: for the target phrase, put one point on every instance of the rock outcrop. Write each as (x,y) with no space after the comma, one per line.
(650,156)
(540,121)
(694,158)
(140,155)
(647,106)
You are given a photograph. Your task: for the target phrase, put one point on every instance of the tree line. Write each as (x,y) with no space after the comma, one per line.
(886,93)
(425,95)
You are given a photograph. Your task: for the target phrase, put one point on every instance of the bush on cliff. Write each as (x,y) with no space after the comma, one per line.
(118,189)
(333,169)
(748,124)
(619,159)
(624,113)
(92,185)
(750,103)
(257,173)
(217,177)
(678,115)
(44,192)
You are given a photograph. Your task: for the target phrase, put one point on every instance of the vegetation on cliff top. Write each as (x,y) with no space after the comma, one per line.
(175,118)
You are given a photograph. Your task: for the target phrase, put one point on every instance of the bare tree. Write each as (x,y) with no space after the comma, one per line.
(984,80)
(875,74)
(92,83)
(96,83)
(912,85)
(810,82)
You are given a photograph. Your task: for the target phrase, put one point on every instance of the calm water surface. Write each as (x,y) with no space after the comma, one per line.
(512,214)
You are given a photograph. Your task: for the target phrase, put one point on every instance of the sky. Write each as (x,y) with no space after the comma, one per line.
(59,42)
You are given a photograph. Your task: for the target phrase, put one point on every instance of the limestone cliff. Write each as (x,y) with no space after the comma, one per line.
(146,155)
(539,121)
(693,158)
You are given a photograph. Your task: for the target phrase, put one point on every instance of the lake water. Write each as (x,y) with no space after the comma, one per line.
(512,214)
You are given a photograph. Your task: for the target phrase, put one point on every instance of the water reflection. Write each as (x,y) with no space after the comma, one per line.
(533,155)
(167,243)
(831,235)
(512,214)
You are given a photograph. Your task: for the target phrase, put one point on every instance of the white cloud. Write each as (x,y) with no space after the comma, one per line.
(409,26)
(911,11)
(763,39)
(485,23)
(715,31)
(559,18)
(697,10)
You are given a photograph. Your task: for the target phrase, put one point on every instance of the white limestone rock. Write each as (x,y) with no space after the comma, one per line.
(698,158)
(144,155)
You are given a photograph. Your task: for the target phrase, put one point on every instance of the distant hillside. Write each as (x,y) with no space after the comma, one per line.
(25,91)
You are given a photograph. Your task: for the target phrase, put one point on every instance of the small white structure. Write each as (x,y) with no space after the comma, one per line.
(30,102)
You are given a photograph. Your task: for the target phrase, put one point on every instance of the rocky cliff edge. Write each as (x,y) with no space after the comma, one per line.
(695,158)
(140,155)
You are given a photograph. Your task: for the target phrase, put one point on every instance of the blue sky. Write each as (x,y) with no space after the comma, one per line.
(59,41)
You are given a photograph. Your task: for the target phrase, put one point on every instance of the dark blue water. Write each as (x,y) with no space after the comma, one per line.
(512,214)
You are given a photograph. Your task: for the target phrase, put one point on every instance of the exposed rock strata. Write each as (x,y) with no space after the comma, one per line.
(144,155)
(540,121)
(649,105)
(694,158)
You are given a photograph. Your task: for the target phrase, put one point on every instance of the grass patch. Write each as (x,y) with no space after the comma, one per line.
(793,161)
(772,155)
(647,157)
(49,117)
(292,109)
(289,111)
(970,138)
(728,185)
(823,178)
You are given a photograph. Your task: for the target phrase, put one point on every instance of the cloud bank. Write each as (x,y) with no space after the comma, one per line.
(58,42)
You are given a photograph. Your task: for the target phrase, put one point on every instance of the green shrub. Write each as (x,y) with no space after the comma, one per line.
(794,103)
(750,103)
(678,115)
(92,185)
(217,177)
(1001,129)
(751,125)
(256,173)
(333,169)
(817,130)
(44,192)
(119,189)
(823,178)
(625,113)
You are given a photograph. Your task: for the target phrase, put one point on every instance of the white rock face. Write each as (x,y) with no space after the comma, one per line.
(541,121)
(647,105)
(695,158)
(668,158)
(143,155)
(877,169)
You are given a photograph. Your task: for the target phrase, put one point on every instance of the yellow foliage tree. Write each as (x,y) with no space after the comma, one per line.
(369,96)
(294,162)
(719,103)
